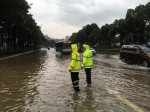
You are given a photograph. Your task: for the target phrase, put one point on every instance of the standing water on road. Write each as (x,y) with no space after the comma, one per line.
(39,81)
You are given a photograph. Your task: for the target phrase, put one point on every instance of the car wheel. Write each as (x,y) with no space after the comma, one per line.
(145,63)
(123,59)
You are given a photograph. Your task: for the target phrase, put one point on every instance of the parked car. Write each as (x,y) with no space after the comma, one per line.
(139,54)
(148,43)
(93,51)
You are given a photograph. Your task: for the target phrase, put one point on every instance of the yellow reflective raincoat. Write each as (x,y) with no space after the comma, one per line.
(74,65)
(87,57)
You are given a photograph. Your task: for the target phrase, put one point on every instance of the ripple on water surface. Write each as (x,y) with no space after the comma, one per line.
(40,81)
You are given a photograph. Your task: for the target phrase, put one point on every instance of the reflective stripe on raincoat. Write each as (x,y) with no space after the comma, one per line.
(87,57)
(74,65)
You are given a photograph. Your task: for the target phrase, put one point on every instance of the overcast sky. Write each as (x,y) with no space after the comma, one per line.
(59,18)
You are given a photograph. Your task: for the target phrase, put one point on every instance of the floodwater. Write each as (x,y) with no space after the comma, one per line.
(39,81)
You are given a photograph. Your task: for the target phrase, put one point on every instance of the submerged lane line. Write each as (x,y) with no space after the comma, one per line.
(137,109)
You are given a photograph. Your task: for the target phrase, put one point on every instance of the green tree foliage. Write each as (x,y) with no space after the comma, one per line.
(134,28)
(87,34)
(137,22)
(93,35)
(104,32)
(73,38)
(130,22)
(17,27)
(141,22)
(112,34)
(121,29)
(50,43)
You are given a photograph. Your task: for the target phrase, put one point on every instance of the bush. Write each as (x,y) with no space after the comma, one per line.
(1,53)
(6,52)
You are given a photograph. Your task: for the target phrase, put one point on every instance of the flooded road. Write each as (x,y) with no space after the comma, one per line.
(39,81)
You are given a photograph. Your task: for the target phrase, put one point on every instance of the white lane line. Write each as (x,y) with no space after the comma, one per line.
(137,109)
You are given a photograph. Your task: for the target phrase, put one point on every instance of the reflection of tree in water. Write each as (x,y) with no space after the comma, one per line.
(63,59)
(83,101)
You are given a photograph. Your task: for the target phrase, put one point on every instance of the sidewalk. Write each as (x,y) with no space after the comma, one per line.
(14,55)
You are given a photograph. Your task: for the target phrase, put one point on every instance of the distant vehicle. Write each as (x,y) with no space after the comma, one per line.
(148,43)
(80,50)
(93,51)
(48,48)
(63,47)
(135,53)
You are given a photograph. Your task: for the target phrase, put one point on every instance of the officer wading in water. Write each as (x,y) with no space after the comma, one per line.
(87,63)
(74,67)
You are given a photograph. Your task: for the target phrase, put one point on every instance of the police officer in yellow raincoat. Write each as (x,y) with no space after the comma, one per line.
(74,67)
(87,63)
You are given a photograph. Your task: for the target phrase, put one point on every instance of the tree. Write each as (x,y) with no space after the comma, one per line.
(131,23)
(17,27)
(81,36)
(104,34)
(73,38)
(121,29)
(140,12)
(112,33)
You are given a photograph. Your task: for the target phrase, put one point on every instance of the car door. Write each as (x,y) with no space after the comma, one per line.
(137,55)
(130,54)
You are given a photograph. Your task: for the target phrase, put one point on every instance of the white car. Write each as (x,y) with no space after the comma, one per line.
(93,51)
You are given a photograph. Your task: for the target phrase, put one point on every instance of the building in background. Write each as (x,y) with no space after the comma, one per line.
(67,37)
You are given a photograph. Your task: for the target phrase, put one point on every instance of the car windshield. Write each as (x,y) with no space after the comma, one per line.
(146,49)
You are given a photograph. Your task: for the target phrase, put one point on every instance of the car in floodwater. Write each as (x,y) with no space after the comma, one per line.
(80,50)
(63,47)
(93,51)
(139,54)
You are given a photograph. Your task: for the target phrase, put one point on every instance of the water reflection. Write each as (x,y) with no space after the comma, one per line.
(83,101)
(75,104)
(89,99)
(131,84)
(18,81)
(40,81)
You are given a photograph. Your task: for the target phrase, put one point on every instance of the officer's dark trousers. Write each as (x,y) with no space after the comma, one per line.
(88,75)
(75,80)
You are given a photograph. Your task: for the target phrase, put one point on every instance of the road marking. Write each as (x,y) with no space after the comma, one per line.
(137,109)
